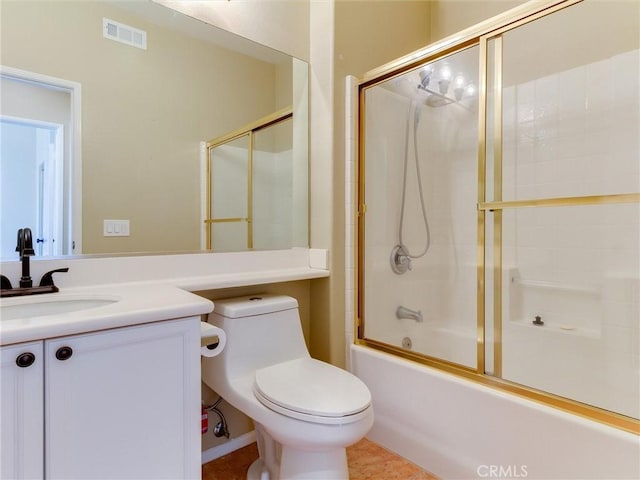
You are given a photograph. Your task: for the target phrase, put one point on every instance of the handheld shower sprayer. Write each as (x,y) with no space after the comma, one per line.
(416,119)
(400,255)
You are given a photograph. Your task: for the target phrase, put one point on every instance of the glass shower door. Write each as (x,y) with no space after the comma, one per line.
(563,178)
(230,174)
(274,190)
(420,191)
(499,235)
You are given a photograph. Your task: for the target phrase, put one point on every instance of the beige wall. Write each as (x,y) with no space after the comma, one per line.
(144,113)
(366,34)
(280,24)
(450,16)
(543,48)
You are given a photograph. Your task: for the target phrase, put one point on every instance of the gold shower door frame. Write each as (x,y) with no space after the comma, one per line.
(248,131)
(483,34)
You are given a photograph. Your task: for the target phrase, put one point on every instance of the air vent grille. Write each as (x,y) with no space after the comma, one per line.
(124,33)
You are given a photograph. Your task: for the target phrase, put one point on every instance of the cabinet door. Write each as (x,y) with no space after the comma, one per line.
(124,403)
(22,408)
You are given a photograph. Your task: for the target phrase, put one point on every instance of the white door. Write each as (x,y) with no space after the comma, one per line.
(21,422)
(124,403)
(52,105)
(32,166)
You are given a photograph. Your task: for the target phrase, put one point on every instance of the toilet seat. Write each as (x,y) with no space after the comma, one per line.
(313,391)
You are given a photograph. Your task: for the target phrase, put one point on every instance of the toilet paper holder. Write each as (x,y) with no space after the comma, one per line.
(212,340)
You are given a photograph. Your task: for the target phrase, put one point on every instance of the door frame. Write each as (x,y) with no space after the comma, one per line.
(55,201)
(73,175)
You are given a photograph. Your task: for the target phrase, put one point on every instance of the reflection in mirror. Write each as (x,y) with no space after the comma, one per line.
(229,167)
(145,113)
(36,161)
(272,167)
(251,187)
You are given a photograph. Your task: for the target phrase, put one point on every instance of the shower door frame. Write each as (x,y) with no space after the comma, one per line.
(480,35)
(247,131)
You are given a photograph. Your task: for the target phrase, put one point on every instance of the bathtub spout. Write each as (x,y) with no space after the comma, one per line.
(404,312)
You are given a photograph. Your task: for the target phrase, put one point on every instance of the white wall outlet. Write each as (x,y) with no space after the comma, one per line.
(116,228)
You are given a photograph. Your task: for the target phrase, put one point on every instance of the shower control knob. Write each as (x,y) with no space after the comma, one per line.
(400,260)
(64,353)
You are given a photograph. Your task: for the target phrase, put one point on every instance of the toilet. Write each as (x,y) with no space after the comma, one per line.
(306,412)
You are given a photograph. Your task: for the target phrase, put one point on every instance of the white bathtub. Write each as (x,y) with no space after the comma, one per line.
(458,429)
(455,346)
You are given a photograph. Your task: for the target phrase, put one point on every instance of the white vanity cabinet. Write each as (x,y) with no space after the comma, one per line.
(22,408)
(120,403)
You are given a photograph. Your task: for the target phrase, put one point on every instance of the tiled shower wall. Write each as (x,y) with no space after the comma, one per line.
(574,133)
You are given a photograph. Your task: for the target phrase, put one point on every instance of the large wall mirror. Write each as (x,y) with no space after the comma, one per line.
(146,117)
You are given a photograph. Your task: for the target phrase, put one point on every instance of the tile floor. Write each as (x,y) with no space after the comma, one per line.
(367,461)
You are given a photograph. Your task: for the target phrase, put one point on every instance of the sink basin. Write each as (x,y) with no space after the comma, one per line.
(40,307)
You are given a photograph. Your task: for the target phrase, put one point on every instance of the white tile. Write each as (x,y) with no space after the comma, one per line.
(599,89)
(617,339)
(572,93)
(627,78)
(525,98)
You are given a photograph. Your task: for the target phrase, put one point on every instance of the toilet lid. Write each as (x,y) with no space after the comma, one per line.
(306,386)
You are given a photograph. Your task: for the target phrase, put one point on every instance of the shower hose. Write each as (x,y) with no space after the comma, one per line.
(415,107)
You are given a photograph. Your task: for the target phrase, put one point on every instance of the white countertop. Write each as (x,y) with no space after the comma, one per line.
(149,288)
(134,304)
(212,282)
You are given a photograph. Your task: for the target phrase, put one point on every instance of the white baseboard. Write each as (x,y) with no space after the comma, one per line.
(229,446)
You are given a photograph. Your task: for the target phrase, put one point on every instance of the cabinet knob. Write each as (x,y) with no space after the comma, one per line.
(64,353)
(25,359)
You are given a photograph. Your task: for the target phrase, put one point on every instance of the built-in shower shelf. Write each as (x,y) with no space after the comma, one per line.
(559,328)
(556,286)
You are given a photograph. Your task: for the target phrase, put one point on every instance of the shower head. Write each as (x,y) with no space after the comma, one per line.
(429,96)
(425,78)
(437,101)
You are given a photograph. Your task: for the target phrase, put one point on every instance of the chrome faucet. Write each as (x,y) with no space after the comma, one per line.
(25,250)
(404,312)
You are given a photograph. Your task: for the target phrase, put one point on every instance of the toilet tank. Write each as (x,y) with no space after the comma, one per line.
(262,330)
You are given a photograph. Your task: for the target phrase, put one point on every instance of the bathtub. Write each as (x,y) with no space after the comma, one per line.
(449,344)
(456,428)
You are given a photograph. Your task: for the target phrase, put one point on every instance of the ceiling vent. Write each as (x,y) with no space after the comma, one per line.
(124,33)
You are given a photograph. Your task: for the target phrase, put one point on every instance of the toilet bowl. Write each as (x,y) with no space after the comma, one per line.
(306,412)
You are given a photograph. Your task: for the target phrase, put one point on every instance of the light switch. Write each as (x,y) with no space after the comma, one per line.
(116,228)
